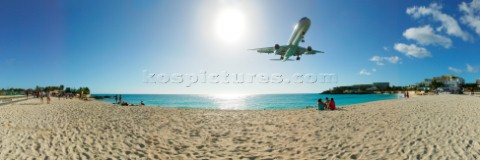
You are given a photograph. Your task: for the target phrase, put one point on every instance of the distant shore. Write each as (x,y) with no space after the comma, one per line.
(431,127)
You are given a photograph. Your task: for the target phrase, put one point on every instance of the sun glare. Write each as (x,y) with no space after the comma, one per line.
(228,96)
(230,25)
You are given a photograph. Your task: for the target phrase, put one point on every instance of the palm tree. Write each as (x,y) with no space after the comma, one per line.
(86,90)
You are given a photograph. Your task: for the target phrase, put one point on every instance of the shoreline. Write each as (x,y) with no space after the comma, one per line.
(312,103)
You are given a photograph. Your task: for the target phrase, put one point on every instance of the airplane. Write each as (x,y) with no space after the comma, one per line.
(292,48)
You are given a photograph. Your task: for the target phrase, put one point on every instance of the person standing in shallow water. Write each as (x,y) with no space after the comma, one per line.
(120,99)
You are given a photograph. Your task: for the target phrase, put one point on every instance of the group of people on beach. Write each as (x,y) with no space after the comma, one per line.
(48,94)
(118,100)
(44,94)
(329,104)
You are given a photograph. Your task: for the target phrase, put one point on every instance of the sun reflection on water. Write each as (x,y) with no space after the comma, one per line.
(230,101)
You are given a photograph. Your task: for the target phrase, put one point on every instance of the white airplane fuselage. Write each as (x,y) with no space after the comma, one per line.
(292,47)
(298,34)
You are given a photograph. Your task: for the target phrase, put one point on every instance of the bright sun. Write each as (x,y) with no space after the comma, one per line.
(230,25)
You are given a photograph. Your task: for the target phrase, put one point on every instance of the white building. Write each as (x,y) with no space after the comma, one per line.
(452,84)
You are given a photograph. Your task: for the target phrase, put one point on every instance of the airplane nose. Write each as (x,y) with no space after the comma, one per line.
(304,20)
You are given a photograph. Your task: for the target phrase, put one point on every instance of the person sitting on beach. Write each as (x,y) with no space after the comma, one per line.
(320,105)
(331,105)
(141,103)
(327,102)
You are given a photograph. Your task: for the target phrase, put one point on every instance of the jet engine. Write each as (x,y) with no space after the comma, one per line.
(277,49)
(309,49)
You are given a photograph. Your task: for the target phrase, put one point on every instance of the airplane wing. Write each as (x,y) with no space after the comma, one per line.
(270,50)
(305,51)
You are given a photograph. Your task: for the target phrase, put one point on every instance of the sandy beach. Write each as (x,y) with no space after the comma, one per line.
(424,127)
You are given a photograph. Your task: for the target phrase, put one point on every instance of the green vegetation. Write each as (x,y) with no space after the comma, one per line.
(12,91)
(363,89)
(60,88)
(471,87)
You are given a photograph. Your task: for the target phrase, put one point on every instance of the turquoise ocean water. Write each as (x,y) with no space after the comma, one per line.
(246,102)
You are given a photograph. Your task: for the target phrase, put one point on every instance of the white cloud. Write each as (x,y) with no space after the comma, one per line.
(456,70)
(392,59)
(364,72)
(379,60)
(412,50)
(449,24)
(385,48)
(425,36)
(374,70)
(471,15)
(472,69)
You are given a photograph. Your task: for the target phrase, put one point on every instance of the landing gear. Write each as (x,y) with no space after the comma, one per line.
(298,58)
(303,40)
(281,57)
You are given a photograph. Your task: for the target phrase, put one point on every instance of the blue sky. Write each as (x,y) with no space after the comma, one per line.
(106,45)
